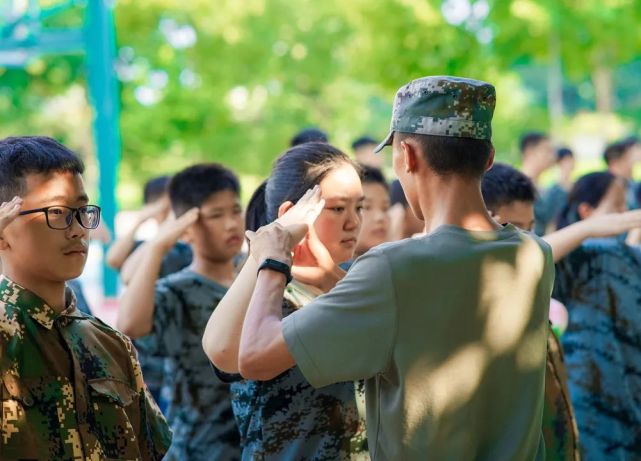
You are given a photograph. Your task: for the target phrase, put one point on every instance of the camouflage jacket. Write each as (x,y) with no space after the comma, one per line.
(199,411)
(600,284)
(71,386)
(287,419)
(560,431)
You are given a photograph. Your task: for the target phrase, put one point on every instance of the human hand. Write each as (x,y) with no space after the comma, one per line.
(278,239)
(9,211)
(314,265)
(171,230)
(150,210)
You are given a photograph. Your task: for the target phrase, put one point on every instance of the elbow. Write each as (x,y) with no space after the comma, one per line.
(253,366)
(221,357)
(132,329)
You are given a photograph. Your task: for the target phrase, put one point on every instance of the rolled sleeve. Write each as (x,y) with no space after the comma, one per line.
(348,333)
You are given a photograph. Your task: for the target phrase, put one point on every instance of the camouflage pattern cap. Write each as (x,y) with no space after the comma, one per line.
(443,106)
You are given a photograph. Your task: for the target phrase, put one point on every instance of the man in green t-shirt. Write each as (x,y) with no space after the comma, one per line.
(449,330)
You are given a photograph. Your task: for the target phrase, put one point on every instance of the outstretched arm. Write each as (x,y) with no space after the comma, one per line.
(569,238)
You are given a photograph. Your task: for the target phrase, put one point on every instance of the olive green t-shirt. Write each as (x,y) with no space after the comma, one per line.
(450,332)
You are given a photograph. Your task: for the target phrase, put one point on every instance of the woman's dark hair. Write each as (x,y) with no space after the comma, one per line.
(589,189)
(256,213)
(297,170)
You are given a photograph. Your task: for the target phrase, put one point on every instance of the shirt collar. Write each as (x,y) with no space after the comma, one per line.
(34,306)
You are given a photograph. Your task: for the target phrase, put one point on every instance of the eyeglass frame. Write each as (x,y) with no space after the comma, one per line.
(75,213)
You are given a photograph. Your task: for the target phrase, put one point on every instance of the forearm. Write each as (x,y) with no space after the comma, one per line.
(263,353)
(136,311)
(132,263)
(221,340)
(121,249)
(566,240)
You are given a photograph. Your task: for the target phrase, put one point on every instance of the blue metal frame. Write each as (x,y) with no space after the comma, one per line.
(97,40)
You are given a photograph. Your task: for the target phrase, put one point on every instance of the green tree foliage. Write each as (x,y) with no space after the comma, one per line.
(231,81)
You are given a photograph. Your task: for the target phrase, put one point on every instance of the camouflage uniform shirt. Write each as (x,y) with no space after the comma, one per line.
(200,411)
(600,283)
(560,431)
(154,368)
(70,386)
(287,419)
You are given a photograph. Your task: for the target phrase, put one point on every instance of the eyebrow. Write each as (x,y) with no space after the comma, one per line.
(345,198)
(61,198)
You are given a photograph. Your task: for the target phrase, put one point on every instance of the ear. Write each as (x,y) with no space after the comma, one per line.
(585,210)
(4,245)
(284,207)
(490,160)
(410,153)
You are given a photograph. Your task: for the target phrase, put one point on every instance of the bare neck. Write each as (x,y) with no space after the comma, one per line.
(618,169)
(222,272)
(52,293)
(454,201)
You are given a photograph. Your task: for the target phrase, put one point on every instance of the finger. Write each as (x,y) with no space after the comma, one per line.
(318,249)
(306,274)
(250,235)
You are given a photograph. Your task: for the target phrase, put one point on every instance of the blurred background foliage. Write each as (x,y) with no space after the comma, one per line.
(231,81)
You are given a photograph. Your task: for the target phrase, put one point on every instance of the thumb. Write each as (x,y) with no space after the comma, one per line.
(250,235)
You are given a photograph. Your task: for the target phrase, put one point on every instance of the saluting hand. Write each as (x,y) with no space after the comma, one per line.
(9,211)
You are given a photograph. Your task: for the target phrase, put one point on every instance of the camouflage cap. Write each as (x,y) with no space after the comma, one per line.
(443,106)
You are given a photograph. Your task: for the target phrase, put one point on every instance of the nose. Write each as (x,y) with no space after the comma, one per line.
(353,221)
(76,230)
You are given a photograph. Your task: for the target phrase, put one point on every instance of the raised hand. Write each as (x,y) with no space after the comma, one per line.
(314,265)
(278,239)
(9,211)
(171,230)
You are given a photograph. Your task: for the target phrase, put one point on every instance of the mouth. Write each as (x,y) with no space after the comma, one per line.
(235,240)
(349,242)
(76,251)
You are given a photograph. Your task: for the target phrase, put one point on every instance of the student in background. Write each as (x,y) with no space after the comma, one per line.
(171,314)
(156,207)
(306,135)
(375,216)
(621,157)
(554,198)
(403,223)
(363,148)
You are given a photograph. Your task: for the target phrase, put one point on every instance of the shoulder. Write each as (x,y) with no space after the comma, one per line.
(178,281)
(11,326)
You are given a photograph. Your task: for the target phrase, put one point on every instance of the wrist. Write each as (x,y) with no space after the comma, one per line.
(278,267)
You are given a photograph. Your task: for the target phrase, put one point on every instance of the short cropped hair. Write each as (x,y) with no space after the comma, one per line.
(308,135)
(25,155)
(155,188)
(503,184)
(363,141)
(563,152)
(372,175)
(447,155)
(531,139)
(194,185)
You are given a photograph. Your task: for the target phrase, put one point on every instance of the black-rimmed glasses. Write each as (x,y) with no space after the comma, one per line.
(61,217)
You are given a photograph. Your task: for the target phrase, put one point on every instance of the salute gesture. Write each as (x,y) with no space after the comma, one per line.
(9,211)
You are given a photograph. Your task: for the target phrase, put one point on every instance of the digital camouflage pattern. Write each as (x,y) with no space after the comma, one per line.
(600,284)
(199,410)
(287,419)
(560,432)
(70,386)
(443,106)
(154,368)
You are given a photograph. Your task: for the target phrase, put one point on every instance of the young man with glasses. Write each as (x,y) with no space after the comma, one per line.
(70,386)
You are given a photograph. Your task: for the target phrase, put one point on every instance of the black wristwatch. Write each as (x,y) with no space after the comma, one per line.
(277,266)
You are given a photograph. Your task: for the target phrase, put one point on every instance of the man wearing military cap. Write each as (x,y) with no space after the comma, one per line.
(449,330)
